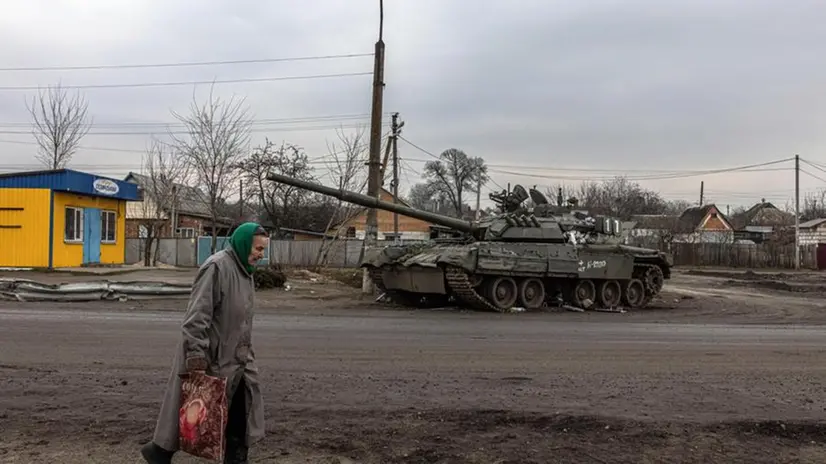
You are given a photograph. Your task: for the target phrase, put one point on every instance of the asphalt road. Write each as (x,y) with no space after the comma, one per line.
(682,370)
(366,371)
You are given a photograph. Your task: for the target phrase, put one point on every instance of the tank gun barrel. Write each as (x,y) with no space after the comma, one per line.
(370,202)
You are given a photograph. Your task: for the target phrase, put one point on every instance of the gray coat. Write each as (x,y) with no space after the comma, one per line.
(217,338)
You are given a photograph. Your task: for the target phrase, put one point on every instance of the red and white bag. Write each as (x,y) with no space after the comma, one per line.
(202,418)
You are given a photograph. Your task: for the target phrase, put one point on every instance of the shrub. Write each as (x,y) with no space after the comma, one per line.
(269,277)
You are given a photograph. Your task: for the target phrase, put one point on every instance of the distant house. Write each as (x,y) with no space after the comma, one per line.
(760,222)
(813,232)
(704,224)
(188,218)
(409,228)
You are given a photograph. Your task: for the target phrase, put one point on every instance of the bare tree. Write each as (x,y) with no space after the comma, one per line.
(216,141)
(162,170)
(454,174)
(346,166)
(59,122)
(617,197)
(282,204)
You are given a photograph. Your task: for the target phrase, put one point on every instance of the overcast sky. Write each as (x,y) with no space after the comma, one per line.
(537,88)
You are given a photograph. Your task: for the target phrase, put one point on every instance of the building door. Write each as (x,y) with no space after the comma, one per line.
(821,256)
(91,235)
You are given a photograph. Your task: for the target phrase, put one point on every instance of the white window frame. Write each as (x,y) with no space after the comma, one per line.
(77,218)
(185,232)
(104,222)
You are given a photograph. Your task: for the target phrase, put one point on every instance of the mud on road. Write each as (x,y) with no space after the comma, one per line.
(715,371)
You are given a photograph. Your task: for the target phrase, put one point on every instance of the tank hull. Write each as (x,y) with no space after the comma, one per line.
(499,277)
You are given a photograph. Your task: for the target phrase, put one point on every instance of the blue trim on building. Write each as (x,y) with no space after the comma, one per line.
(71,181)
(51,229)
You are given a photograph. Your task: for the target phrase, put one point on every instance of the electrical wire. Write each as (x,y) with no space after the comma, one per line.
(165,124)
(812,175)
(674,174)
(814,165)
(184,132)
(182,64)
(179,83)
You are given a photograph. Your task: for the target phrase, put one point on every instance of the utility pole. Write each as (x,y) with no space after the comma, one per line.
(478,196)
(241,199)
(701,193)
(374,165)
(797,211)
(396,129)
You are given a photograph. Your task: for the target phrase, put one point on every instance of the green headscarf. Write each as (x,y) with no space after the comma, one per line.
(241,242)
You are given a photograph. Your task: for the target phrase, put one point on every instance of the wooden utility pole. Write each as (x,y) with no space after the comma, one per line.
(374,164)
(241,199)
(478,196)
(797,211)
(701,193)
(396,130)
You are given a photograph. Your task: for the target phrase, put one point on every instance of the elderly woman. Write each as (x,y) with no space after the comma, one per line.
(216,340)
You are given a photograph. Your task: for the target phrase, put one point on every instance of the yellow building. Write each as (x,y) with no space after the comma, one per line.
(62,218)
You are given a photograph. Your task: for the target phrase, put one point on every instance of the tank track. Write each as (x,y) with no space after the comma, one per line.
(650,275)
(462,289)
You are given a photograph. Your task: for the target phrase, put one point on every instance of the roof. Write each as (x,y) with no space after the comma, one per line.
(361,209)
(812,223)
(693,217)
(69,180)
(191,201)
(762,214)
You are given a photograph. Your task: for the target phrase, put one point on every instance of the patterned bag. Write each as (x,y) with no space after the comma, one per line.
(202,418)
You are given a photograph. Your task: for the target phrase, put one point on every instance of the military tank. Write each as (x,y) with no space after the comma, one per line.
(524,256)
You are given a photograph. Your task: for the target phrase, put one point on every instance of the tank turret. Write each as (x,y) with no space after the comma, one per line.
(528,256)
(542,223)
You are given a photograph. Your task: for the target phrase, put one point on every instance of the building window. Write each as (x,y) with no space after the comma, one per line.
(108,221)
(73,230)
(185,232)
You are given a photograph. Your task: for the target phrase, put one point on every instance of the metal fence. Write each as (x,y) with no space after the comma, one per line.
(190,252)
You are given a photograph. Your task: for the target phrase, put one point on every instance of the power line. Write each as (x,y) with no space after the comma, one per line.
(814,165)
(183,63)
(813,175)
(120,150)
(184,132)
(673,174)
(169,84)
(290,120)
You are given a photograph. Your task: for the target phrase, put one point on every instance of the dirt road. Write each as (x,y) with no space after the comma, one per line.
(734,376)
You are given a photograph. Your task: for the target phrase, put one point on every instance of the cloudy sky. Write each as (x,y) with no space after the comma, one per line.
(544,91)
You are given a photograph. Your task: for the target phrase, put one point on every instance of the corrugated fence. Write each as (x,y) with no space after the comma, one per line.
(347,253)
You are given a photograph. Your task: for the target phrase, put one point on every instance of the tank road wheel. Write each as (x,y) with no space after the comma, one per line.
(634,294)
(502,292)
(531,293)
(584,294)
(610,294)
